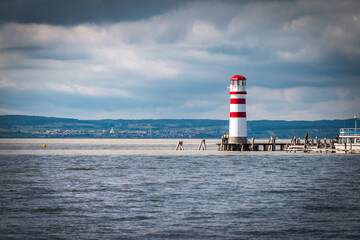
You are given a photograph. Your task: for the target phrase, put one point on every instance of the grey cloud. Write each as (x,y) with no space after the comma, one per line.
(37,52)
(68,12)
(179,57)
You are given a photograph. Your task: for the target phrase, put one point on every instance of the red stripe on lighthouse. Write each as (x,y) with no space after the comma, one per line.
(238,114)
(237,101)
(237,92)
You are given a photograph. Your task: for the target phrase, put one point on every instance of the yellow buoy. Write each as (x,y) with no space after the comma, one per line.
(44,145)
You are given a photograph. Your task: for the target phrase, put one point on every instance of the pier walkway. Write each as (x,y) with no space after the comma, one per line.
(295,145)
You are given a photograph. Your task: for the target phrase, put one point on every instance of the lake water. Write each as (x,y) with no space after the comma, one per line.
(144,189)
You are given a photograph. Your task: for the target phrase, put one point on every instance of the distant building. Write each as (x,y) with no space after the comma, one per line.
(112,130)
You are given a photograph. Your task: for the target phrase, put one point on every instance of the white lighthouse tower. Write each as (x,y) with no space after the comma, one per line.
(237,125)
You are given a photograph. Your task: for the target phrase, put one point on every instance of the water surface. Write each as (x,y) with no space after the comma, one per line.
(117,189)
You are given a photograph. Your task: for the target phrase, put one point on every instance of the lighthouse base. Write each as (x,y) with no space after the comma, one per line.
(242,140)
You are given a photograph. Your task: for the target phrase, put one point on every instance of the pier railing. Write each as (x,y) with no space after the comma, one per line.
(349,132)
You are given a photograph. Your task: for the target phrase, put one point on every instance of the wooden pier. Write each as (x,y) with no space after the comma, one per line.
(251,145)
(295,145)
(323,147)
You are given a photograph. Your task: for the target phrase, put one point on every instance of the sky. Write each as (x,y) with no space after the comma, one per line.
(161,59)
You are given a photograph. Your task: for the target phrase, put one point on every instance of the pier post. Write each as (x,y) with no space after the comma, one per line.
(317,143)
(202,145)
(179,146)
(273,148)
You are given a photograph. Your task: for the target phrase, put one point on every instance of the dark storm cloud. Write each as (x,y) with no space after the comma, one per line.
(65,12)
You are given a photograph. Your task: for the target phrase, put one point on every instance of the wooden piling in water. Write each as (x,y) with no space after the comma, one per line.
(202,145)
(179,146)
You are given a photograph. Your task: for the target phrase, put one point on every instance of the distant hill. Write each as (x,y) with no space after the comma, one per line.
(17,126)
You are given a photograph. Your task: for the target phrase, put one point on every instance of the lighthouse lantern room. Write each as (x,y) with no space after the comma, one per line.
(237,123)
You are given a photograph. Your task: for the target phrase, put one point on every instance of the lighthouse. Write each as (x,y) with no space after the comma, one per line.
(237,123)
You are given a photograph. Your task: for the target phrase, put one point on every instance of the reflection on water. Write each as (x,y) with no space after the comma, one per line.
(121,189)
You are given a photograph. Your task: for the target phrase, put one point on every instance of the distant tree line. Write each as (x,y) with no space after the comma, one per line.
(16,126)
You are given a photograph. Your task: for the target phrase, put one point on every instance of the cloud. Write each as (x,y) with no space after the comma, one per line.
(80,11)
(176,62)
(301,103)
(89,91)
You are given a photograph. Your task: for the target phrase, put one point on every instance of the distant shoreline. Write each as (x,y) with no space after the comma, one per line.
(21,126)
